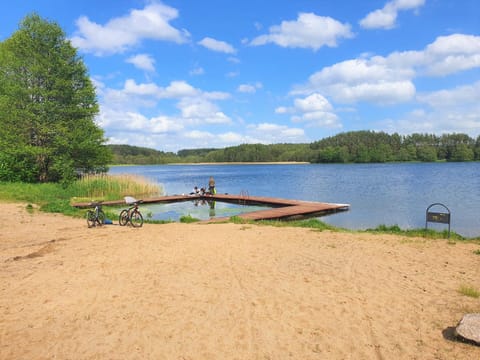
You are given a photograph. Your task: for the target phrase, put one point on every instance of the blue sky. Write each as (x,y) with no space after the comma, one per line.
(174,74)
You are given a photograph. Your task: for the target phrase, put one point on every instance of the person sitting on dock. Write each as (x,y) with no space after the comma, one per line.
(195,191)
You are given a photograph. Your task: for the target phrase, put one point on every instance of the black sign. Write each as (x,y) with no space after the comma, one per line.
(437,217)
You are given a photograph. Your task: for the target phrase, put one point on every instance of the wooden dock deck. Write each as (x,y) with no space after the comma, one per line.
(284,209)
(281,209)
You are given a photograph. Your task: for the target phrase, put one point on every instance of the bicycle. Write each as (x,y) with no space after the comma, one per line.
(131,215)
(96,216)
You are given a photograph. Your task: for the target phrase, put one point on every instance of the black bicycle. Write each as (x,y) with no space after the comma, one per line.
(131,215)
(95,217)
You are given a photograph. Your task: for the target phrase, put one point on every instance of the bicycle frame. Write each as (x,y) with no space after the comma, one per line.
(131,215)
(93,216)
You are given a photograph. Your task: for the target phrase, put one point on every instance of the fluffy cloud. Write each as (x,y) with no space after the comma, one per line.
(314,109)
(199,110)
(124,112)
(455,110)
(467,95)
(362,80)
(122,33)
(389,80)
(308,31)
(134,122)
(386,17)
(446,55)
(450,54)
(216,45)
(143,62)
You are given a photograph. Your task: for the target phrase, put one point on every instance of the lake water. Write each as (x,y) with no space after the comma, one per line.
(390,194)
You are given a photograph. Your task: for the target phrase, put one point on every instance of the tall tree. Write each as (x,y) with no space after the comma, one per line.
(47,107)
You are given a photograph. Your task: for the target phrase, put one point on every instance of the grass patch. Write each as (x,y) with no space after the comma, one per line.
(476,252)
(318,225)
(188,219)
(425,233)
(314,224)
(55,198)
(469,291)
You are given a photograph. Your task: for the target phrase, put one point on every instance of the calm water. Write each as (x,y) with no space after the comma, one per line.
(378,193)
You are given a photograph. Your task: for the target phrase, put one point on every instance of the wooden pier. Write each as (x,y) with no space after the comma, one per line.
(281,209)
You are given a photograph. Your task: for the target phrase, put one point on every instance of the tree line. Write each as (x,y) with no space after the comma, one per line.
(348,147)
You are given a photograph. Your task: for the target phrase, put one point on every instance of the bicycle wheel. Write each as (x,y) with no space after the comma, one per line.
(123,218)
(101,218)
(91,218)
(136,219)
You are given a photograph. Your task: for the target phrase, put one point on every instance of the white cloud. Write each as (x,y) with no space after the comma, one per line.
(217,45)
(446,55)
(249,88)
(199,110)
(314,109)
(308,31)
(465,95)
(386,17)
(438,121)
(455,110)
(362,80)
(120,34)
(246,88)
(166,115)
(282,110)
(382,92)
(179,89)
(231,138)
(142,62)
(450,54)
(130,121)
(274,133)
(199,135)
(389,80)
(313,103)
(132,88)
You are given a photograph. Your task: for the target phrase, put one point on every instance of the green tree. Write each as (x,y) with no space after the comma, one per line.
(477,148)
(462,152)
(47,107)
(426,153)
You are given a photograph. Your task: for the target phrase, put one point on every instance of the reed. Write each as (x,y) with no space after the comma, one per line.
(114,187)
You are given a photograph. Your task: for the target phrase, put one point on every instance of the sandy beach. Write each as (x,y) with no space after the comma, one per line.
(227,291)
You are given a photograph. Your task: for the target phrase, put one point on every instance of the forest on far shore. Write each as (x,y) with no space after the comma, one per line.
(347,147)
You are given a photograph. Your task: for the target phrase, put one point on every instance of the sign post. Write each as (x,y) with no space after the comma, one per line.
(438,217)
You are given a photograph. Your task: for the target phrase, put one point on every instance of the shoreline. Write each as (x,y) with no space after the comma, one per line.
(224,163)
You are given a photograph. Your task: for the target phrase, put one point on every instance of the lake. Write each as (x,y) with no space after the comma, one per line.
(389,194)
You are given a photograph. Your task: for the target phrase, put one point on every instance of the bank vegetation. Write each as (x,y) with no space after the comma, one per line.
(347,147)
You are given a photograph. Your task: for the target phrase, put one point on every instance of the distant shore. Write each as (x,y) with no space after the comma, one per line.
(225,163)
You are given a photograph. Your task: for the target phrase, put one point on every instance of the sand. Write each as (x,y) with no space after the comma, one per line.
(227,291)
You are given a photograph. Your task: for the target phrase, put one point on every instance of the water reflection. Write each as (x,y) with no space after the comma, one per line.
(198,209)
